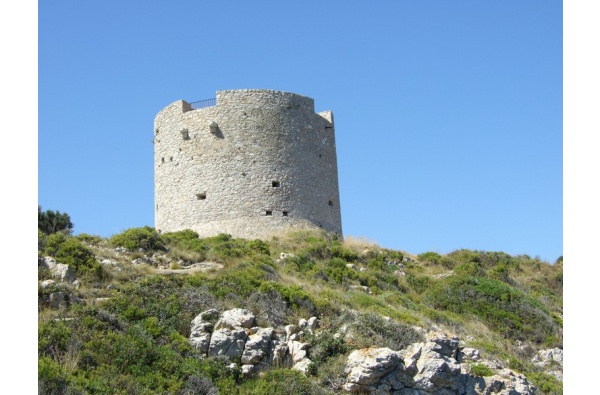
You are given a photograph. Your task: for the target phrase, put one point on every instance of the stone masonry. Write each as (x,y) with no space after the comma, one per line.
(256,163)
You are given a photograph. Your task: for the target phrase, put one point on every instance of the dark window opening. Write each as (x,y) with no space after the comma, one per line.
(163,160)
(275,184)
(328,127)
(284,213)
(201,196)
(268,213)
(330,203)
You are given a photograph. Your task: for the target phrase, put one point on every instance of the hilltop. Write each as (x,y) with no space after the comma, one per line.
(300,313)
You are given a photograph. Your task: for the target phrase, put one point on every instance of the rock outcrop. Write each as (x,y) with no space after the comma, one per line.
(58,270)
(437,366)
(234,334)
(551,360)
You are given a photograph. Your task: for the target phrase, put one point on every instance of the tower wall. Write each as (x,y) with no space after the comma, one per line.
(258,162)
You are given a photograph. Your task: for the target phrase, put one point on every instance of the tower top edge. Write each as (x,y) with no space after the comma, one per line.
(273,91)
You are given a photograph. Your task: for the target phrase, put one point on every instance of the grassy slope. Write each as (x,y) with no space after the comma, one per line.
(135,341)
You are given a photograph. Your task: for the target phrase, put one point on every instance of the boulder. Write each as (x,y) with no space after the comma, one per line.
(366,367)
(47,283)
(546,357)
(202,328)
(436,370)
(290,330)
(302,365)
(257,346)
(430,367)
(297,350)
(236,318)
(58,270)
(228,342)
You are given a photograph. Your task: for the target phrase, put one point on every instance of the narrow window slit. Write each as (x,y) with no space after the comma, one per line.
(330,203)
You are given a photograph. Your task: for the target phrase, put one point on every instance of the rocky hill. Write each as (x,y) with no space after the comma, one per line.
(301,313)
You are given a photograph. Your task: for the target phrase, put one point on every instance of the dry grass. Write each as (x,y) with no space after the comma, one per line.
(360,243)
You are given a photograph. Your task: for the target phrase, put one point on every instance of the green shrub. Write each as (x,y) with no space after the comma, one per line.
(301,262)
(53,338)
(447,262)
(53,242)
(418,283)
(145,238)
(324,346)
(280,381)
(373,330)
(465,256)
(546,383)
(51,377)
(504,308)
(294,296)
(377,263)
(79,257)
(222,247)
(430,257)
(335,269)
(469,269)
(481,370)
(89,239)
(344,253)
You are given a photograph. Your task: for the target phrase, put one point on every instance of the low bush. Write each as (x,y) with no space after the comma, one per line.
(482,370)
(89,239)
(504,308)
(280,381)
(53,242)
(429,257)
(145,238)
(546,383)
(372,330)
(325,346)
(75,254)
(418,283)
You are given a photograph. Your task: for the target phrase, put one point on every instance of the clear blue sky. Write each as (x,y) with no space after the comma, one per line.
(449,121)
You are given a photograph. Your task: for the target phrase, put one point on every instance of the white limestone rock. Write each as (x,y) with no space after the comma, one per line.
(47,283)
(236,318)
(229,342)
(257,346)
(366,367)
(58,270)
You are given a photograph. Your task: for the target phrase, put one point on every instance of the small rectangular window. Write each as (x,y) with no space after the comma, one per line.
(284,213)
(268,213)
(275,184)
(330,203)
(201,196)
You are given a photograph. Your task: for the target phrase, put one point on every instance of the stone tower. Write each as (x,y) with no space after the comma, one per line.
(249,163)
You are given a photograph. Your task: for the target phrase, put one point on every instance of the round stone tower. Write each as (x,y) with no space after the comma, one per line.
(250,163)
